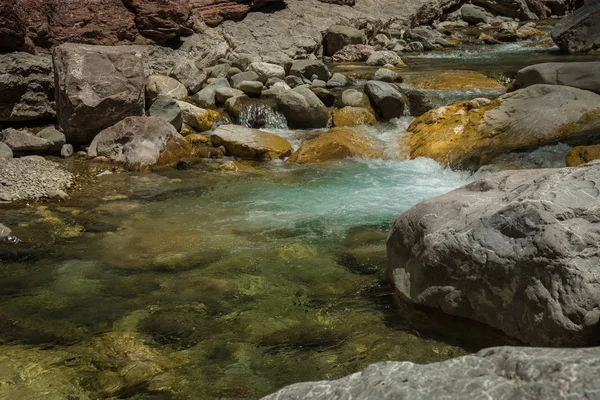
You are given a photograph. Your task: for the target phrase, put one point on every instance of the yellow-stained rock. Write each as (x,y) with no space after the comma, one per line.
(177,149)
(336,144)
(582,155)
(198,118)
(250,144)
(353,116)
(196,138)
(527,32)
(446,80)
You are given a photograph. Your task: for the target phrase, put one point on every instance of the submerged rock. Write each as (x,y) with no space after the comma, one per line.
(502,251)
(501,372)
(454,80)
(473,133)
(336,144)
(581,75)
(251,144)
(579,32)
(582,155)
(97,86)
(135,141)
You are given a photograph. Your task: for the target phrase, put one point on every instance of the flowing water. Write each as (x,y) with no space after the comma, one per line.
(205,283)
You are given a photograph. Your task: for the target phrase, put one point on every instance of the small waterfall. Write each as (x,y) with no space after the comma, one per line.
(262,116)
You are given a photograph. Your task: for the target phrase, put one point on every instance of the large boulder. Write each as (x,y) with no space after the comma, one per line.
(136,141)
(302,108)
(159,85)
(96,87)
(167,109)
(213,12)
(582,75)
(516,251)
(13,27)
(23,141)
(387,99)
(579,32)
(196,117)
(265,71)
(336,144)
(353,116)
(251,144)
(500,373)
(27,87)
(508,8)
(475,15)
(54,136)
(473,133)
(340,36)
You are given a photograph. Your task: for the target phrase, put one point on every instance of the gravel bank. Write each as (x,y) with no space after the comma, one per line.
(30,178)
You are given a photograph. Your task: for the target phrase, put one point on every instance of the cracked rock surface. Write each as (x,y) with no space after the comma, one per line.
(518,251)
(496,373)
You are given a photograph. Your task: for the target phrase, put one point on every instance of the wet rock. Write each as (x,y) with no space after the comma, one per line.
(387,75)
(353,116)
(387,99)
(265,71)
(196,117)
(339,36)
(582,75)
(336,144)
(23,141)
(337,80)
(302,108)
(525,119)
(354,53)
(582,155)
(167,109)
(382,58)
(27,87)
(418,102)
(180,328)
(475,15)
(188,73)
(55,137)
(307,68)
(579,32)
(250,144)
(548,373)
(96,87)
(135,141)
(498,245)
(36,331)
(448,80)
(5,151)
(66,151)
(158,85)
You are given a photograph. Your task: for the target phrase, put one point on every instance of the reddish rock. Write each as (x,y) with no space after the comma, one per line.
(161,20)
(213,12)
(13,29)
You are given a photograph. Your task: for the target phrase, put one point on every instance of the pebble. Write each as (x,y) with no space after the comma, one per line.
(31,177)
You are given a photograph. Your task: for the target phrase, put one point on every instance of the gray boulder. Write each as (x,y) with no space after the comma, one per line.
(23,141)
(55,137)
(302,108)
(475,15)
(353,98)
(387,75)
(266,70)
(223,94)
(516,251)
(307,68)
(243,77)
(5,151)
(508,8)
(188,73)
(387,99)
(251,88)
(206,97)
(27,87)
(382,58)
(581,75)
(354,53)
(496,373)
(167,109)
(66,151)
(339,36)
(135,141)
(96,87)
(159,85)
(579,32)
(338,80)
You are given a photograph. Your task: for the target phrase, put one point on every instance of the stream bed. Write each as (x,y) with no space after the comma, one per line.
(204,283)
